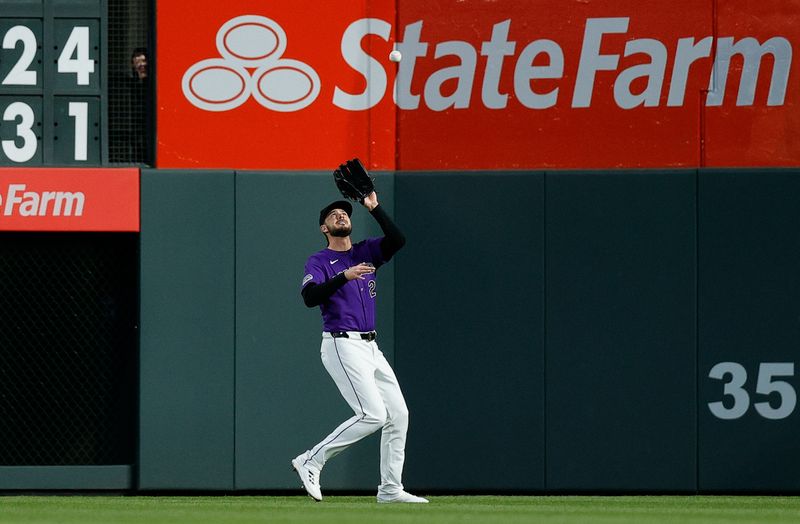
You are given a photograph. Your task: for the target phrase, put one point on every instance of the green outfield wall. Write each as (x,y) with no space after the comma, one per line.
(628,331)
(187,347)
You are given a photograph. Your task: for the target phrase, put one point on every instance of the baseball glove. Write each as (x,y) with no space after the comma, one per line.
(353,181)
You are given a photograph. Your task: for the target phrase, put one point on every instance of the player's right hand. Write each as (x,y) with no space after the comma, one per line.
(359,271)
(370,201)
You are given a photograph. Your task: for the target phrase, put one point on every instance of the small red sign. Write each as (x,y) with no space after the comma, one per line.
(34,199)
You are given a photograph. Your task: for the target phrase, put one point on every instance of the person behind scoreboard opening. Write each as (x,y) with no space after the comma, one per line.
(139,64)
(139,108)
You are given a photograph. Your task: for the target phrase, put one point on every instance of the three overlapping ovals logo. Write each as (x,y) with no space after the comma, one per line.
(251,64)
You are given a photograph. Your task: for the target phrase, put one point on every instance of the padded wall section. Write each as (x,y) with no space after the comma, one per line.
(621,331)
(469,329)
(285,400)
(749,330)
(187,339)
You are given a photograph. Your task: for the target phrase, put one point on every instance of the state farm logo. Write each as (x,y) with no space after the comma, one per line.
(251,64)
(539,69)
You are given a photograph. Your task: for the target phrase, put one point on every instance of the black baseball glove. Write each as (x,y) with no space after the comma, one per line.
(353,180)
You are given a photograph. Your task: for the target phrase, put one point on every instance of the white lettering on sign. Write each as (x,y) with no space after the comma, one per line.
(753,53)
(499,52)
(24,203)
(359,60)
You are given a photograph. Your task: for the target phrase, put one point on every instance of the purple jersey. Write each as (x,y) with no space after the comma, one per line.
(352,306)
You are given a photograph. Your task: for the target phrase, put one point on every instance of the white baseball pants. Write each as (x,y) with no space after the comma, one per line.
(368,384)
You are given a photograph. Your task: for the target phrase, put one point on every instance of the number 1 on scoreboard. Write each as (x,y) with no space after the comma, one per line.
(80,112)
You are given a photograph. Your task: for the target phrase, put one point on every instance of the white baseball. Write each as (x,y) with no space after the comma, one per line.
(395,56)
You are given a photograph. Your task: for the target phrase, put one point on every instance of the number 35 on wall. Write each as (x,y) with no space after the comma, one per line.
(767,384)
(75,57)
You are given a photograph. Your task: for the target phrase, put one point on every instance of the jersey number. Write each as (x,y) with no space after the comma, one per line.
(372,292)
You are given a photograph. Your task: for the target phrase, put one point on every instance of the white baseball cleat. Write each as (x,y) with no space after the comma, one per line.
(402,497)
(309,477)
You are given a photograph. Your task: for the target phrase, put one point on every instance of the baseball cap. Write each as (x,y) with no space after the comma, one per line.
(339,204)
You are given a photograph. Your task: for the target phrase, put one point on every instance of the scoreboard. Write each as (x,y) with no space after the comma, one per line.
(53,82)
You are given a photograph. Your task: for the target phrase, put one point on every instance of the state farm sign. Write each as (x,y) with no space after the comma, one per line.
(69,199)
(289,85)
(481,85)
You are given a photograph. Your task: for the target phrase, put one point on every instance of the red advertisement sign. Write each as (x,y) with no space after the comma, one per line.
(301,84)
(37,199)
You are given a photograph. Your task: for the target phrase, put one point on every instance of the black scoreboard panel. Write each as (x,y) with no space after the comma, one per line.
(53,82)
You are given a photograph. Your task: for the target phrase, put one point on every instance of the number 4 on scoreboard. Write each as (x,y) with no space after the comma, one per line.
(74,58)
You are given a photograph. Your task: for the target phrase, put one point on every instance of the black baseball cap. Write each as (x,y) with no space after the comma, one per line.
(339,204)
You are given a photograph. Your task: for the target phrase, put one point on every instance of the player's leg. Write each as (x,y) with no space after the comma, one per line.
(393,434)
(349,362)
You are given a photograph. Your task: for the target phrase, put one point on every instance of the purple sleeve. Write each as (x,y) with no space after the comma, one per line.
(312,273)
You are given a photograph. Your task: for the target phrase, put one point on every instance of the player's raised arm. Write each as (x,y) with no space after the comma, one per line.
(355,183)
(394,239)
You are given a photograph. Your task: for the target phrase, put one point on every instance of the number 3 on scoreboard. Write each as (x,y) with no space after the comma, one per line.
(24,130)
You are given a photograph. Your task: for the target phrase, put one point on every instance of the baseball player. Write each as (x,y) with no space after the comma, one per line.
(340,279)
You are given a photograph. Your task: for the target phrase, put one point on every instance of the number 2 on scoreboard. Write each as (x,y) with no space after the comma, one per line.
(19,74)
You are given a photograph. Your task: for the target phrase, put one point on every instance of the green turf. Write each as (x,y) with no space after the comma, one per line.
(465,509)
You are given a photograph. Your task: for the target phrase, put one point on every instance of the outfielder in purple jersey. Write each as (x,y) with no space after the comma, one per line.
(340,279)
(352,306)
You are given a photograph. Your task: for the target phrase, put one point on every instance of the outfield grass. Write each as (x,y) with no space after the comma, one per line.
(441,510)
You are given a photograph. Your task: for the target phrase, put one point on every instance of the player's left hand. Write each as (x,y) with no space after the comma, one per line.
(358,271)
(371,201)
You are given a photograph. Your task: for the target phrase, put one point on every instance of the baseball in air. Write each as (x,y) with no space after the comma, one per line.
(395,56)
